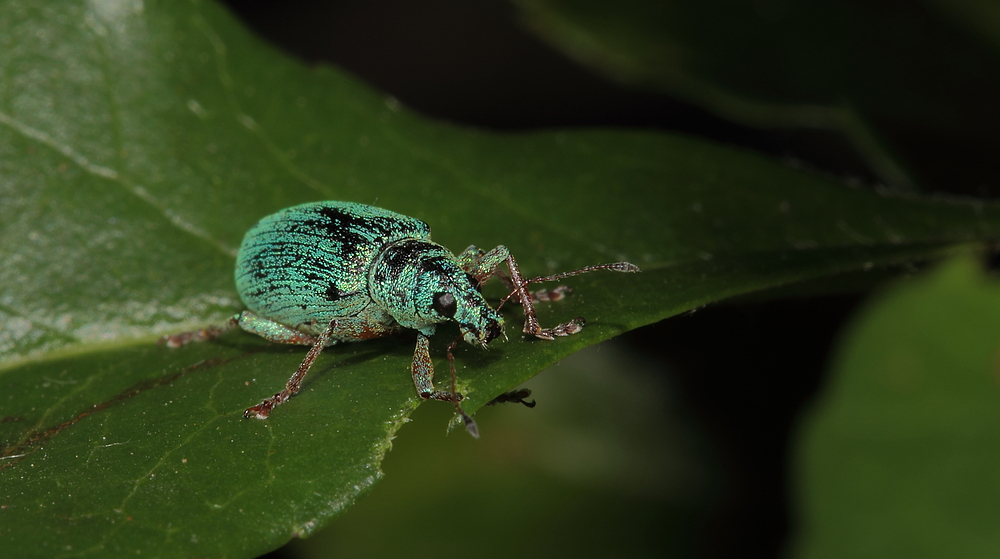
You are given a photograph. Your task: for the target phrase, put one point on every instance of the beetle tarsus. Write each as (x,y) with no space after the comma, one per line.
(260,411)
(470,424)
(565,329)
(557,293)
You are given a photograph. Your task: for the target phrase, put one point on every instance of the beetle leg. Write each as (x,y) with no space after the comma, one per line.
(422,370)
(267,329)
(205,334)
(531,325)
(470,257)
(261,410)
(484,265)
(471,260)
(423,373)
(273,331)
(566,328)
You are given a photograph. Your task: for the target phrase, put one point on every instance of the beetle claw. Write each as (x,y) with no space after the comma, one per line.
(260,411)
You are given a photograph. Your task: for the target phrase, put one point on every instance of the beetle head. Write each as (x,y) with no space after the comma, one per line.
(484,327)
(421,284)
(454,298)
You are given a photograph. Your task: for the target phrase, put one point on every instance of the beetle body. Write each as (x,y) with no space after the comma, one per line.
(372,270)
(326,272)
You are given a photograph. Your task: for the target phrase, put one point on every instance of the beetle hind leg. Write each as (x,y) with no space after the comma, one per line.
(273,331)
(203,335)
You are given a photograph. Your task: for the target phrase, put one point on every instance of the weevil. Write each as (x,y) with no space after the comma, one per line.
(326,272)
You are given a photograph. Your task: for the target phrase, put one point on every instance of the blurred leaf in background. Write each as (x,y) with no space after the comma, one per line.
(900,456)
(911,86)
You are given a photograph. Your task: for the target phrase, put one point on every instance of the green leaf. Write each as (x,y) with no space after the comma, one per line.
(139,140)
(913,92)
(899,458)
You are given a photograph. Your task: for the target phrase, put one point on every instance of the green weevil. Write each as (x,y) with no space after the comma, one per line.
(326,272)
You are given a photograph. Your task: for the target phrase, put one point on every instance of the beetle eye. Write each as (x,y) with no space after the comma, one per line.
(444,304)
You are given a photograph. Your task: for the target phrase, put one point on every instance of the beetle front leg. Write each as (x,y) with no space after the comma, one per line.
(263,409)
(422,370)
(474,260)
(484,265)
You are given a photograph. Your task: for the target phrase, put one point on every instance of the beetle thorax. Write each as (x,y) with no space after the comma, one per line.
(421,284)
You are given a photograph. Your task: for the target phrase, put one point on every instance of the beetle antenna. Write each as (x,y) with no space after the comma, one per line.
(624,267)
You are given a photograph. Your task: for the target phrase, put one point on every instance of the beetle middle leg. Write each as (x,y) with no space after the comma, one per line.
(247,320)
(263,409)
(205,334)
(344,328)
(272,331)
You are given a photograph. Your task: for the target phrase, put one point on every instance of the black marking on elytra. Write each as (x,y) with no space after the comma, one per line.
(311,263)
(338,219)
(257,269)
(345,246)
(350,229)
(333,294)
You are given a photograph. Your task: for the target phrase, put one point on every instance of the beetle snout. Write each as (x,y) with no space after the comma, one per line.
(483,333)
(493,331)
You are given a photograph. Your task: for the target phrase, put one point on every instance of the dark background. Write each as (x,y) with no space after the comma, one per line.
(743,371)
